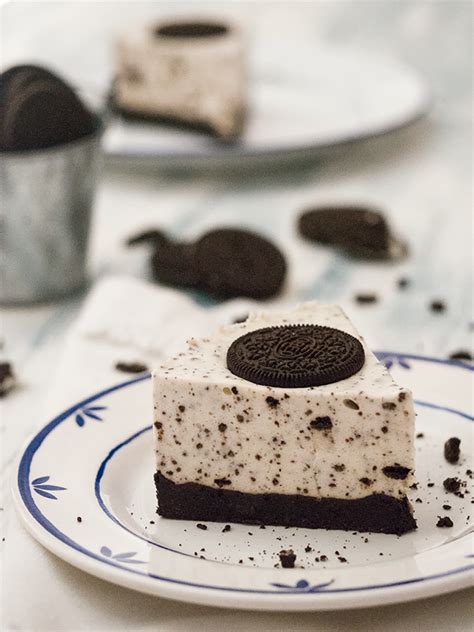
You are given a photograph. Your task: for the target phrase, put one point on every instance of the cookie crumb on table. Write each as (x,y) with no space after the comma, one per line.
(131,367)
(452,450)
(287,558)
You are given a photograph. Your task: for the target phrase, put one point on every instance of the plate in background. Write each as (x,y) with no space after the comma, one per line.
(95,461)
(338,96)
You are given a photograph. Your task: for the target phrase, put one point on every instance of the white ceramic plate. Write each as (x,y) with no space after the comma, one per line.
(95,461)
(340,95)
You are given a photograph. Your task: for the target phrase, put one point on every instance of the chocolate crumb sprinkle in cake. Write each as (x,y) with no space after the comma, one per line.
(279,420)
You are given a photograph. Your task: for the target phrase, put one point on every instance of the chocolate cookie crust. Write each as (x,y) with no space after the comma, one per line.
(377,513)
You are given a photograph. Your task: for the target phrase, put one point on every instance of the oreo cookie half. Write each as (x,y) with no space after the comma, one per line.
(361,232)
(295,356)
(234,262)
(39,110)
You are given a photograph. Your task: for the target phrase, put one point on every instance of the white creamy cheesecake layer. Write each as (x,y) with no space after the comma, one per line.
(199,80)
(216,429)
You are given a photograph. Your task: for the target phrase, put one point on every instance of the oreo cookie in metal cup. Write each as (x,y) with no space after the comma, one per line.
(47,185)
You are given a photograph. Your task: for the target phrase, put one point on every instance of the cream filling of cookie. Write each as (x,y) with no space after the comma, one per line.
(198,80)
(348,439)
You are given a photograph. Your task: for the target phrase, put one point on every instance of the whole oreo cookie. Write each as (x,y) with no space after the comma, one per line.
(235,263)
(38,110)
(360,232)
(295,356)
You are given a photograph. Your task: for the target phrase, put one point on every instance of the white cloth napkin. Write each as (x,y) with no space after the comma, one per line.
(127,320)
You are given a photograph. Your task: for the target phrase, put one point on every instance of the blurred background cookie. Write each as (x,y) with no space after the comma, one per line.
(39,110)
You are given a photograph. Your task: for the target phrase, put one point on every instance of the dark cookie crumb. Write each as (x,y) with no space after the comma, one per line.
(444,522)
(437,306)
(308,549)
(324,558)
(462,354)
(220,482)
(272,402)
(447,507)
(452,450)
(351,404)
(396,471)
(452,484)
(79,519)
(226,528)
(287,558)
(365,299)
(7,378)
(342,559)
(321,423)
(430,485)
(131,367)
(389,405)
(365,481)
(201,526)
(420,435)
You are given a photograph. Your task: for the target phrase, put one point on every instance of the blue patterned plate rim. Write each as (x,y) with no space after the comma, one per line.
(24,498)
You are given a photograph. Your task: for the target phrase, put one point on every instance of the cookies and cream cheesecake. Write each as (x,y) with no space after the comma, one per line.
(284,419)
(191,72)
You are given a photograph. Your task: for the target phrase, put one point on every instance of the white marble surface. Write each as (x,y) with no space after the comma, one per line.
(423,178)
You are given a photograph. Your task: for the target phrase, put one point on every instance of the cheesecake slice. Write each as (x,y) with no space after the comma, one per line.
(187,72)
(285,419)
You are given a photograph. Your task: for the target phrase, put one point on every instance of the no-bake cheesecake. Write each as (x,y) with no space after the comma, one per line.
(188,72)
(284,419)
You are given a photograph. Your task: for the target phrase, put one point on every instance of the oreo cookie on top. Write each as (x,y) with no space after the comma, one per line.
(39,110)
(295,356)
(358,231)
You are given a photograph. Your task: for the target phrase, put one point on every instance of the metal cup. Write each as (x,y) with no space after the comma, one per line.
(45,208)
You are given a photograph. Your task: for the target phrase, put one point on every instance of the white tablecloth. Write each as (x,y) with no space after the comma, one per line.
(421,176)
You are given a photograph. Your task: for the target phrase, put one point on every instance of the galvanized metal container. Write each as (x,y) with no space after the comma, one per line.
(45,208)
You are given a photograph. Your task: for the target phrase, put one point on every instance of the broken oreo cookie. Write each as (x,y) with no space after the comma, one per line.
(360,232)
(225,262)
(39,110)
(295,356)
